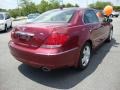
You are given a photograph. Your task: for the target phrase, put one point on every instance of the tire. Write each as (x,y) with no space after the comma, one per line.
(6,29)
(85,56)
(109,39)
(11,25)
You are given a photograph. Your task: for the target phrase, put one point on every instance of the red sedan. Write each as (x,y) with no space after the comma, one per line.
(60,38)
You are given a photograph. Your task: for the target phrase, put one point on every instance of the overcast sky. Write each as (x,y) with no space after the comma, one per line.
(10,4)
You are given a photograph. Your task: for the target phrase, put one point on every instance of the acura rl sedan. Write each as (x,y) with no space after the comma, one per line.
(60,38)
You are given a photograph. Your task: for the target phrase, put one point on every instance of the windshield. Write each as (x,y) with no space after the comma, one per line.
(32,16)
(55,16)
(1,17)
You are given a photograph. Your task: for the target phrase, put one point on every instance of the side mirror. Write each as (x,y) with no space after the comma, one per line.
(107,20)
(7,17)
(110,20)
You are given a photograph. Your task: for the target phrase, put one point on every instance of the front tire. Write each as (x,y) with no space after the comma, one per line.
(85,56)
(110,36)
(6,29)
(11,25)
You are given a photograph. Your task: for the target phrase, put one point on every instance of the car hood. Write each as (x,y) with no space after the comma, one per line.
(2,21)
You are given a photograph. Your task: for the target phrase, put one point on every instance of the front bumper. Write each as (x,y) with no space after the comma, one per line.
(2,27)
(45,58)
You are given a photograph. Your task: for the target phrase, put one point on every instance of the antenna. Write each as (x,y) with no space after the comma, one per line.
(61,4)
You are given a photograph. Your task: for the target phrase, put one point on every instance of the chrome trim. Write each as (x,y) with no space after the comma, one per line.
(24,33)
(59,52)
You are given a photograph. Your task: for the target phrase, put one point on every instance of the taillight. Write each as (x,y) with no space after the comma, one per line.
(13,35)
(56,40)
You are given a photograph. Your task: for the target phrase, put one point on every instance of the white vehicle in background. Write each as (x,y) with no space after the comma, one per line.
(32,17)
(115,14)
(5,21)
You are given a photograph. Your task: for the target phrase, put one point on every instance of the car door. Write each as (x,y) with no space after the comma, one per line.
(106,28)
(8,20)
(94,25)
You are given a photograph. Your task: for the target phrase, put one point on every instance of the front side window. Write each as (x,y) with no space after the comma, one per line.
(1,17)
(7,16)
(100,15)
(56,16)
(90,17)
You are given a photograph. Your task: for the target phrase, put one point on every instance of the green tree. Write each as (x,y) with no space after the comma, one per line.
(43,6)
(27,7)
(69,5)
(2,10)
(31,8)
(116,8)
(100,5)
(24,3)
(76,5)
(14,12)
(53,4)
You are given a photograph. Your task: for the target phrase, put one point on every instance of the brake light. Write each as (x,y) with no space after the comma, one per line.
(13,35)
(56,40)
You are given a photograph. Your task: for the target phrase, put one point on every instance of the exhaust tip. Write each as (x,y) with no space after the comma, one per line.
(46,69)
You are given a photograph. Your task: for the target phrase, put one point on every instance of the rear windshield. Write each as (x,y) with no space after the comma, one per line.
(1,17)
(56,16)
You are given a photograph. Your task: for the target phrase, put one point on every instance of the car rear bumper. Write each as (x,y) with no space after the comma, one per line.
(45,58)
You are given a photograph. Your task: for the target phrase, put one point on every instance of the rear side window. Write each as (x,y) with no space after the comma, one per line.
(90,17)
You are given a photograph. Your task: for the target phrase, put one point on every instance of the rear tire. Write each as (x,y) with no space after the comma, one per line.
(85,56)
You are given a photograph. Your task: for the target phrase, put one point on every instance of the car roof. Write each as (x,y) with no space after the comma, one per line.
(33,13)
(76,8)
(3,12)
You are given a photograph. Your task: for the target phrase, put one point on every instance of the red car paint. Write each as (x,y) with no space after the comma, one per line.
(56,45)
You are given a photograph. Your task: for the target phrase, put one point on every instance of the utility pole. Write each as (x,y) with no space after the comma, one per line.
(61,2)
(18,4)
(18,7)
(87,2)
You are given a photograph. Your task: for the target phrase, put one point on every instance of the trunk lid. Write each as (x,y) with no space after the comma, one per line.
(33,35)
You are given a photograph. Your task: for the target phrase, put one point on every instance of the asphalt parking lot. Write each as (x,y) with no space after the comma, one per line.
(103,73)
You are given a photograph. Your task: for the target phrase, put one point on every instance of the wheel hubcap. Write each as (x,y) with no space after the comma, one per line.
(111,34)
(86,56)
